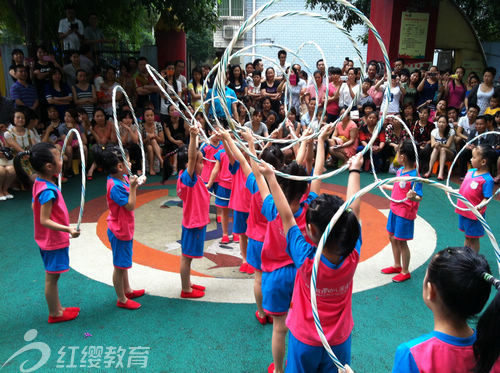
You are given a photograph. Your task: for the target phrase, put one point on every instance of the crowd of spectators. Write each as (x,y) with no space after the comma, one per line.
(49,99)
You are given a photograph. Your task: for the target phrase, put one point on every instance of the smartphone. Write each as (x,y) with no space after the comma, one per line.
(46,58)
(433,74)
(343,78)
(293,79)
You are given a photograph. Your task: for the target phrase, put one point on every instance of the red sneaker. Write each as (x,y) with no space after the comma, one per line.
(401,277)
(198,287)
(135,294)
(225,240)
(250,270)
(390,270)
(243,267)
(129,304)
(236,237)
(269,319)
(66,316)
(193,294)
(262,320)
(270,368)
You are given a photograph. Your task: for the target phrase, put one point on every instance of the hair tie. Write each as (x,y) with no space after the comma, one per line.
(491,280)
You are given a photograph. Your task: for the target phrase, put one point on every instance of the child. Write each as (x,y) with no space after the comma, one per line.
(278,270)
(455,290)
(494,105)
(121,198)
(70,122)
(52,229)
(335,275)
(196,201)
(400,223)
(224,179)
(476,187)
(240,196)
(442,144)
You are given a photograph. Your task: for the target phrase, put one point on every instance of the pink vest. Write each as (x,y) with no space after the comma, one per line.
(209,151)
(46,238)
(334,299)
(120,220)
(194,194)
(472,189)
(240,195)
(407,209)
(224,178)
(256,223)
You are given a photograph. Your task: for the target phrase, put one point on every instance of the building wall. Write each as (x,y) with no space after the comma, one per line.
(492,51)
(291,32)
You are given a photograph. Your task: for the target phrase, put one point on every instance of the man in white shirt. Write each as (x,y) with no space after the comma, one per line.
(179,68)
(320,65)
(70,30)
(283,65)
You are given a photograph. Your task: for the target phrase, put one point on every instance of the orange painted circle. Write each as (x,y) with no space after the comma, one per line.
(375,236)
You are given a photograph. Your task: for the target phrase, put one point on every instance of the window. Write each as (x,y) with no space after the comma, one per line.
(231,8)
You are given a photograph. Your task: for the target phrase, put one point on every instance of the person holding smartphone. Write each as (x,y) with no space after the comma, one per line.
(428,87)
(70,30)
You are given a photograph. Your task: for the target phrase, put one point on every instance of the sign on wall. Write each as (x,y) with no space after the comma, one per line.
(413,35)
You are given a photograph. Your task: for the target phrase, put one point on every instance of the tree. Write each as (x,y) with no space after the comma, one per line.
(200,45)
(484,14)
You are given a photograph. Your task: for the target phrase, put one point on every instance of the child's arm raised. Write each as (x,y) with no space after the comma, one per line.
(261,182)
(134,183)
(319,165)
(245,167)
(301,153)
(279,198)
(226,141)
(47,222)
(353,184)
(192,150)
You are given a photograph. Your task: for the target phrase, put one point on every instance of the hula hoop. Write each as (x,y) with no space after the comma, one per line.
(482,204)
(142,178)
(82,162)
(344,207)
(405,127)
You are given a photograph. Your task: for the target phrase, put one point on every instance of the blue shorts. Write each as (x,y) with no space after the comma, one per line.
(254,251)
(240,222)
(122,251)
(222,192)
(277,289)
(401,228)
(55,261)
(471,228)
(193,241)
(302,357)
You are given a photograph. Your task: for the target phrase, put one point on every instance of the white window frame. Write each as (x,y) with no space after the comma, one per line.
(230,11)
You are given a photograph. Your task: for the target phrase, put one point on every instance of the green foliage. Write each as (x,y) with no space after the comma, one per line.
(200,45)
(340,13)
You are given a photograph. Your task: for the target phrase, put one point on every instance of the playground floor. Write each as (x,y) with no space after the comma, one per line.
(218,333)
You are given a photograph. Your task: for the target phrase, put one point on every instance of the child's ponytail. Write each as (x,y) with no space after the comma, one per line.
(39,155)
(108,157)
(486,347)
(20,172)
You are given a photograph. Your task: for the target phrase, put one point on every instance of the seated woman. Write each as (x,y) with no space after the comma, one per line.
(256,125)
(7,172)
(153,138)
(103,134)
(365,134)
(395,134)
(58,93)
(421,132)
(72,147)
(344,141)
(176,134)
(130,141)
(442,144)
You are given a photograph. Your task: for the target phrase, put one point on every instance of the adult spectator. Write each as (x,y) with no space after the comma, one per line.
(254,87)
(297,87)
(454,90)
(105,95)
(375,92)
(145,85)
(176,133)
(334,83)
(308,116)
(428,87)
(179,69)
(17,59)
(442,144)
(58,93)
(87,60)
(94,37)
(366,132)
(466,125)
(44,64)
(248,71)
(311,89)
(344,141)
(421,132)
(219,111)
(371,71)
(132,66)
(348,89)
(399,65)
(272,88)
(480,95)
(283,65)
(195,89)
(173,88)
(364,97)
(320,65)
(256,125)
(395,135)
(84,93)
(127,82)
(70,30)
(258,65)
(237,83)
(490,140)
(410,87)
(23,93)
(71,68)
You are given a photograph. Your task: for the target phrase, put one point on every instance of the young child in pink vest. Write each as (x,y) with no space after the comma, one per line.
(196,202)
(477,186)
(400,223)
(51,222)
(121,196)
